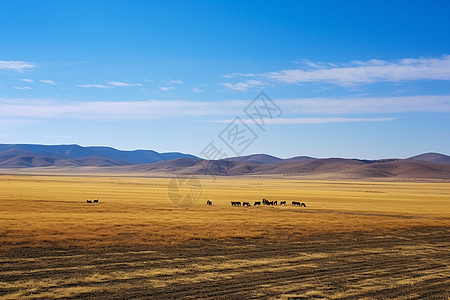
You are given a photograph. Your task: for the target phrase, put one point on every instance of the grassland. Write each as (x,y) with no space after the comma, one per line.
(353,240)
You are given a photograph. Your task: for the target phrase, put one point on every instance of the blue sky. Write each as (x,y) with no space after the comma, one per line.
(351,78)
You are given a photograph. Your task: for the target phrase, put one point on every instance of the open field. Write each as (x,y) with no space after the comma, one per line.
(353,240)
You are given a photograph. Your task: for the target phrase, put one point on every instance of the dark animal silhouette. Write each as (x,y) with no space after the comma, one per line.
(275,202)
(267,202)
(247,204)
(303,204)
(209,203)
(238,203)
(295,203)
(283,203)
(88,201)
(257,203)
(235,203)
(96,201)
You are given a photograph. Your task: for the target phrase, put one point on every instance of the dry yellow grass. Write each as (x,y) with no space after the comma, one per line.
(52,210)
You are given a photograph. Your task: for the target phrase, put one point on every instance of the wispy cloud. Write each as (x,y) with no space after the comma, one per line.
(295,109)
(23,88)
(170,85)
(176,82)
(166,88)
(401,104)
(197,90)
(243,86)
(16,65)
(123,84)
(293,121)
(27,80)
(100,86)
(234,75)
(110,110)
(109,85)
(360,72)
(48,81)
(16,122)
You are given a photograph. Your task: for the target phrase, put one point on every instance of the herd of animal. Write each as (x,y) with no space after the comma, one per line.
(244,204)
(258,203)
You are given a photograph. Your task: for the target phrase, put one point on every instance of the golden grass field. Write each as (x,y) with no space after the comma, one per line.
(44,214)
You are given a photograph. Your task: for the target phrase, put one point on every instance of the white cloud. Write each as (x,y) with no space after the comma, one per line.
(15,65)
(27,80)
(123,84)
(48,81)
(111,110)
(176,82)
(22,88)
(362,72)
(197,90)
(110,84)
(243,86)
(421,103)
(293,108)
(100,86)
(16,122)
(234,75)
(292,121)
(166,88)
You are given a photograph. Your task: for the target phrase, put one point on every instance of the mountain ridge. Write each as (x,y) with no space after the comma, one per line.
(19,156)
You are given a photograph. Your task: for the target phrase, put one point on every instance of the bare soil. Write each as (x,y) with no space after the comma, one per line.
(412,263)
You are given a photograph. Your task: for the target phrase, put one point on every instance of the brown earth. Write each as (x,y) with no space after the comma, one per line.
(404,264)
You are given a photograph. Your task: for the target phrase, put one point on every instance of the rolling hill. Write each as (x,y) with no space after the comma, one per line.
(27,155)
(76,152)
(432,157)
(109,160)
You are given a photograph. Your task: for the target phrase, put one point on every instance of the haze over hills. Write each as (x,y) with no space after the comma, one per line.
(110,160)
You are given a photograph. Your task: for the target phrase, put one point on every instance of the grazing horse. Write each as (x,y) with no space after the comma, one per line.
(209,203)
(267,202)
(295,203)
(275,202)
(257,203)
(246,204)
(303,204)
(238,203)
(283,203)
(96,201)
(88,201)
(233,203)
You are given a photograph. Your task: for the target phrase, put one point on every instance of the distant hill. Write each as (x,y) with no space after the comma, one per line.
(432,157)
(28,155)
(267,159)
(329,168)
(110,160)
(256,158)
(16,158)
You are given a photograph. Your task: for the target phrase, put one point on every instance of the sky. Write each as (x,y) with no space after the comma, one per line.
(354,79)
